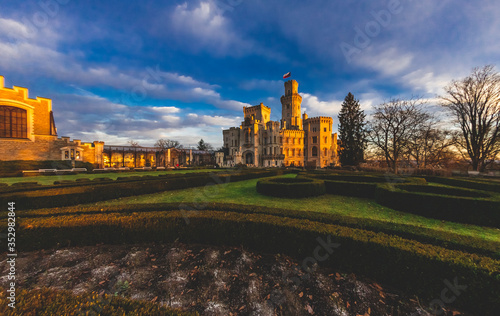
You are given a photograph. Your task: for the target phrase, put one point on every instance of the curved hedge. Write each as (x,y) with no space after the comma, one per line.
(291,187)
(74,193)
(451,204)
(411,266)
(48,301)
(445,239)
(357,185)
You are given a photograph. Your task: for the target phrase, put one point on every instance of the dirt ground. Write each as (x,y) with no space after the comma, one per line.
(210,280)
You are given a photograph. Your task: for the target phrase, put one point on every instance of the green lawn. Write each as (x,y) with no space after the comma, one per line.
(112,175)
(244,192)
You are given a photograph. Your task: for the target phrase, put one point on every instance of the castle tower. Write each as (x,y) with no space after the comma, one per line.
(290,106)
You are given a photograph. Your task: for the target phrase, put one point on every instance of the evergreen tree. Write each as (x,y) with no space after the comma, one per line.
(352,133)
(202,145)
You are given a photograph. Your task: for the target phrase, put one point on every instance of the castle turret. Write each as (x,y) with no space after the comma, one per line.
(290,106)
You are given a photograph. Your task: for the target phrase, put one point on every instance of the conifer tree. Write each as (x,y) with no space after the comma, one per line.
(352,133)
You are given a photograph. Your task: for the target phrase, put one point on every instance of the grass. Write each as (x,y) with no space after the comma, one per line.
(47,180)
(245,193)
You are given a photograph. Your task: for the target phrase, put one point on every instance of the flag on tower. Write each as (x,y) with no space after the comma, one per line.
(287,75)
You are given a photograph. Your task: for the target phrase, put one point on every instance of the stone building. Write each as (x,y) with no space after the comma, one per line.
(28,131)
(296,140)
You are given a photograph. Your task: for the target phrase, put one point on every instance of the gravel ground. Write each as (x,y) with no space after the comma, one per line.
(211,280)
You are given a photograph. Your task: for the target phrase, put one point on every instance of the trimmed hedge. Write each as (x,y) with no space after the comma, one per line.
(82,193)
(14,167)
(48,301)
(291,187)
(425,235)
(413,267)
(363,186)
(459,207)
(465,183)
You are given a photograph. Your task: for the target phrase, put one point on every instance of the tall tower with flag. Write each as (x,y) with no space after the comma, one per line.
(290,106)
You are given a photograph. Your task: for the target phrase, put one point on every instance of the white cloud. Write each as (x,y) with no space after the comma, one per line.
(208,28)
(315,107)
(388,61)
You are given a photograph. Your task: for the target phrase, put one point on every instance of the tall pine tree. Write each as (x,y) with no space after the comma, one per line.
(352,133)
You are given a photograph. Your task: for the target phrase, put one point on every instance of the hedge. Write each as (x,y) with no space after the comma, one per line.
(411,266)
(465,183)
(48,301)
(291,187)
(484,211)
(82,193)
(426,235)
(357,185)
(14,167)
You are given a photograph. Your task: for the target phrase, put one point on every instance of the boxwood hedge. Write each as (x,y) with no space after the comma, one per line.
(409,265)
(451,204)
(425,235)
(47,301)
(291,187)
(74,193)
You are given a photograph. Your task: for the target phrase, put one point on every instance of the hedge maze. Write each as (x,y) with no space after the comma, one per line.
(413,259)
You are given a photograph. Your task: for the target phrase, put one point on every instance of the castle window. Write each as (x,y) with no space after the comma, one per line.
(326,151)
(13,122)
(72,154)
(326,139)
(314,139)
(275,139)
(265,152)
(66,154)
(293,152)
(77,154)
(315,151)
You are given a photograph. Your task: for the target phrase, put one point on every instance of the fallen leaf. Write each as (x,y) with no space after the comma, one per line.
(309,309)
(301,294)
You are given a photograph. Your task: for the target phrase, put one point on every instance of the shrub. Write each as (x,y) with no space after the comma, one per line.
(425,235)
(357,185)
(55,302)
(291,187)
(436,202)
(465,183)
(411,266)
(65,194)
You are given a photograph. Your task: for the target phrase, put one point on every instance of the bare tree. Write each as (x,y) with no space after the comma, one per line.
(395,123)
(133,143)
(164,144)
(430,146)
(475,103)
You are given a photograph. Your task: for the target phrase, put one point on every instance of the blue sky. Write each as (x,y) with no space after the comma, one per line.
(183,70)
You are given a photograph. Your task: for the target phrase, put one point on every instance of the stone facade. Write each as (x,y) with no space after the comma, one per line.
(28,131)
(295,140)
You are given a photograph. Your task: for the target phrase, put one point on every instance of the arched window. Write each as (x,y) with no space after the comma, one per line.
(326,152)
(13,122)
(315,151)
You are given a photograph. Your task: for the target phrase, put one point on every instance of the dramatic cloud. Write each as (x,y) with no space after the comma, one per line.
(185,69)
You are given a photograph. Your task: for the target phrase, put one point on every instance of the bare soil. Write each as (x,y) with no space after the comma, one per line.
(210,280)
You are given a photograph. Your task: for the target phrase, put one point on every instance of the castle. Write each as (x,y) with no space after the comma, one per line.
(28,132)
(295,140)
